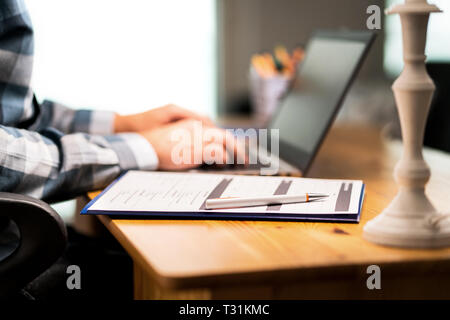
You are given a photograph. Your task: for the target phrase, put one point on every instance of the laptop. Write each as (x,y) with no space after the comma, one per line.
(305,114)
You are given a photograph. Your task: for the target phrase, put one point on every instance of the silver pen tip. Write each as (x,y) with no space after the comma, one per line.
(317,195)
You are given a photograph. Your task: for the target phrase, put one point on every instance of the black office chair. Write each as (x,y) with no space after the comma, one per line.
(38,241)
(437,132)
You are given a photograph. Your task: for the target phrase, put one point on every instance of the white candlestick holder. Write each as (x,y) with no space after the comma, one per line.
(411,220)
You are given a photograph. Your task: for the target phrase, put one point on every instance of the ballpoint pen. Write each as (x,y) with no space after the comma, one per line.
(224,203)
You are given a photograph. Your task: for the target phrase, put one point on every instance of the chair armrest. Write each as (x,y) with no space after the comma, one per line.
(43,237)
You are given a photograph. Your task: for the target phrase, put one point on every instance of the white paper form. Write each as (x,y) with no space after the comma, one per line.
(139,191)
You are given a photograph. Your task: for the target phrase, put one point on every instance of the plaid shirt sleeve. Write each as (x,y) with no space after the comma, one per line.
(49,164)
(67,120)
(48,150)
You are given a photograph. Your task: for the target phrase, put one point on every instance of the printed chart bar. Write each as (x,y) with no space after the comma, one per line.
(344,196)
(217,192)
(283,188)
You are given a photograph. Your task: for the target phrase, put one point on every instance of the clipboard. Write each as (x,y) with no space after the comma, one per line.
(169,195)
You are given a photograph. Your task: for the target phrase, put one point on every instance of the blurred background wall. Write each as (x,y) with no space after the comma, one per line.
(251,26)
(127,58)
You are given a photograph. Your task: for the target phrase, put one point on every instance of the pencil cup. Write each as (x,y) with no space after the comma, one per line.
(266,93)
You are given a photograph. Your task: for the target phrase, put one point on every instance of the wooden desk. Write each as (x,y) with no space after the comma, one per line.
(247,259)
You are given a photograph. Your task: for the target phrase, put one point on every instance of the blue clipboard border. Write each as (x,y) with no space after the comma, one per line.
(347,218)
(90,203)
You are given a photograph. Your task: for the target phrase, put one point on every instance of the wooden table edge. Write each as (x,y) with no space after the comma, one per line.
(280,275)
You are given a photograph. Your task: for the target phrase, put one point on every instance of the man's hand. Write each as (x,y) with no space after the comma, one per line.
(155,118)
(187,144)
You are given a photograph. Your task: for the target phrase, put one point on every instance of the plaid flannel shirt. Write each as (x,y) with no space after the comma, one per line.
(48,150)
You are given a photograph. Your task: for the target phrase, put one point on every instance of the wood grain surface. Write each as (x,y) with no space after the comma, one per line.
(246,255)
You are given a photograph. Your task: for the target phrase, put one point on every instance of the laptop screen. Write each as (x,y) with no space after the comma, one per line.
(331,62)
